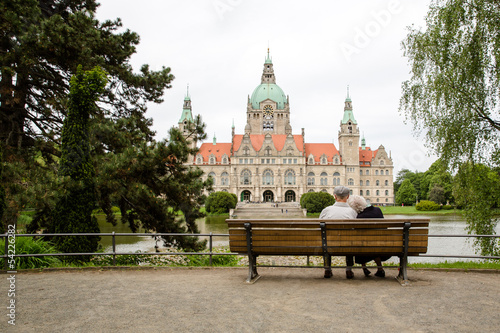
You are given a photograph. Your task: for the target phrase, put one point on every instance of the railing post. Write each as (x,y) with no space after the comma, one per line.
(210,247)
(114,249)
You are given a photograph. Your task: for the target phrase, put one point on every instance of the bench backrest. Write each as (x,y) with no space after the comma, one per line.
(306,237)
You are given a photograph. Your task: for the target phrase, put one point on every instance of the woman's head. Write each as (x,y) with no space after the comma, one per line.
(357,202)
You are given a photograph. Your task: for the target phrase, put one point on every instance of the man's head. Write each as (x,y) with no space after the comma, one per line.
(341,193)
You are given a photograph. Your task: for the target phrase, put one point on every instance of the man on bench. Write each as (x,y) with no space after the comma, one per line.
(340,210)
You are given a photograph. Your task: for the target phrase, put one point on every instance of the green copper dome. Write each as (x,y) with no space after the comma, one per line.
(268,91)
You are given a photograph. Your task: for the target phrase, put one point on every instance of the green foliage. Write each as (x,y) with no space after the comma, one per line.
(406,193)
(315,202)
(453,94)
(437,194)
(426,205)
(447,207)
(220,202)
(477,190)
(73,212)
(29,245)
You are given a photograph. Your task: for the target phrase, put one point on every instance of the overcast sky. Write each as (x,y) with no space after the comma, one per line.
(318,48)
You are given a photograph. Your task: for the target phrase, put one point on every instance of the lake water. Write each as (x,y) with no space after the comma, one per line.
(439,225)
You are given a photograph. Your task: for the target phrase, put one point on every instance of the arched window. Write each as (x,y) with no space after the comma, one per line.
(350,182)
(268,178)
(267,152)
(377,192)
(367,172)
(336,179)
(199,159)
(310,178)
(224,159)
(246,177)
(289,151)
(246,151)
(289,177)
(311,160)
(323,159)
(224,179)
(212,175)
(360,192)
(211,159)
(336,160)
(367,192)
(386,182)
(377,183)
(387,172)
(376,172)
(323,180)
(360,183)
(382,162)
(361,172)
(386,192)
(382,172)
(367,183)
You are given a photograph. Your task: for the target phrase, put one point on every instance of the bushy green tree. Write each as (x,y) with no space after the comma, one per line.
(406,194)
(220,202)
(73,212)
(437,194)
(315,202)
(477,189)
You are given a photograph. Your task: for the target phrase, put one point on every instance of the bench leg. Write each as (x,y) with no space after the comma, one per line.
(402,276)
(327,260)
(253,276)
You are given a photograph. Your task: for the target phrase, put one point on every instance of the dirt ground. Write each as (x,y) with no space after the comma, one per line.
(283,300)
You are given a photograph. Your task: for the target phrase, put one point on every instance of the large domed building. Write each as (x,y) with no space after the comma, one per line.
(268,163)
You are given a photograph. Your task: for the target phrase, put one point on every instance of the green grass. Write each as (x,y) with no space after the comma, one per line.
(411,210)
(461,265)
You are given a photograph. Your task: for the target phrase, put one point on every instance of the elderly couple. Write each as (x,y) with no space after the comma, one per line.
(351,207)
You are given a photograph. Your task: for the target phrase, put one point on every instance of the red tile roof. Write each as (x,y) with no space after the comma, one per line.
(258,140)
(366,156)
(318,149)
(218,150)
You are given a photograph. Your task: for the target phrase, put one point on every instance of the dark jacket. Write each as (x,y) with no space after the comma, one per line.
(371,212)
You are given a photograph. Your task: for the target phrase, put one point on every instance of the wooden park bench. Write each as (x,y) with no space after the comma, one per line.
(327,238)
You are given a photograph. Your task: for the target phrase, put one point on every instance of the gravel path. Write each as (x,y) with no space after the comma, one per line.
(283,300)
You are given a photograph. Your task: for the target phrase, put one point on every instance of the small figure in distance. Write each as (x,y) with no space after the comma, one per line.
(359,204)
(340,210)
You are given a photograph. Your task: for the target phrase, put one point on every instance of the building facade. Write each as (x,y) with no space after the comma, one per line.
(269,163)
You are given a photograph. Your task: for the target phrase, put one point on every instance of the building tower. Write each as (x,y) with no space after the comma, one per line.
(349,145)
(268,109)
(187,119)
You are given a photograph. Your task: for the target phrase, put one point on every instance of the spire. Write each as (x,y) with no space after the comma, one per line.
(187,114)
(348,115)
(268,73)
(215,139)
(363,142)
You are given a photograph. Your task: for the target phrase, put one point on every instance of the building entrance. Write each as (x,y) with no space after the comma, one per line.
(246,196)
(268,196)
(289,196)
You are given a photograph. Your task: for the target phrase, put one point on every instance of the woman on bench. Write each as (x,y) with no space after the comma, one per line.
(359,204)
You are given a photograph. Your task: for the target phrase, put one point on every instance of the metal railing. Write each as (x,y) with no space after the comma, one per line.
(210,252)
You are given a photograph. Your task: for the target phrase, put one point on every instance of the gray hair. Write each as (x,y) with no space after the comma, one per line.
(357,202)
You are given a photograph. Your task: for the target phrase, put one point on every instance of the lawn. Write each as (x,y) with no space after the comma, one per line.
(411,210)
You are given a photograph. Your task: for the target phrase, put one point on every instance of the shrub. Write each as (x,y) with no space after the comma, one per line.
(28,245)
(315,202)
(426,205)
(447,207)
(220,202)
